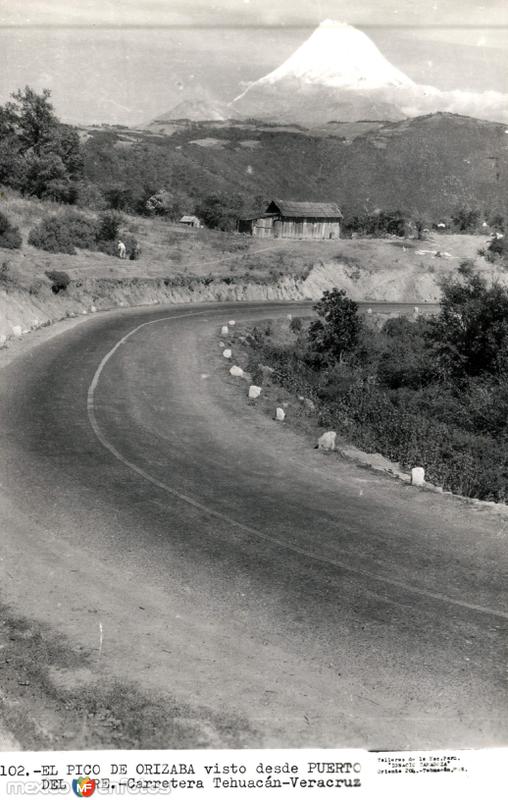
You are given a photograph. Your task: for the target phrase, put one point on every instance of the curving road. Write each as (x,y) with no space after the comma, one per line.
(307,600)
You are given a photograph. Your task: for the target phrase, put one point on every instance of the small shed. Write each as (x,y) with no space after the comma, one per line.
(190,220)
(289,219)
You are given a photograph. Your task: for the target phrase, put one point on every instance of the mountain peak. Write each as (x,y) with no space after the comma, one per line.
(337,55)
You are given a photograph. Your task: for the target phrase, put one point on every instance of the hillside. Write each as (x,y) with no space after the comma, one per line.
(178,265)
(428,165)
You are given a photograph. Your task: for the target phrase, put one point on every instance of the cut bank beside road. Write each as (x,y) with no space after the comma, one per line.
(182,266)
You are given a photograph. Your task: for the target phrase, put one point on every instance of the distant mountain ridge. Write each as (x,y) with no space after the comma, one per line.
(198,109)
(428,166)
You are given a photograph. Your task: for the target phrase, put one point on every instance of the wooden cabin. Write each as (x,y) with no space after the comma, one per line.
(288,219)
(190,220)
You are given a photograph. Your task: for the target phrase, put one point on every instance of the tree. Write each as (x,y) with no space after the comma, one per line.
(33,117)
(38,154)
(471,329)
(220,211)
(338,330)
(109,225)
(466,220)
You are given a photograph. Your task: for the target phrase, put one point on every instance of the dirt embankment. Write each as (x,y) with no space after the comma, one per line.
(22,311)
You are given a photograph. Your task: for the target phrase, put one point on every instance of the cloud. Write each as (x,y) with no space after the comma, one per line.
(456,14)
(483,105)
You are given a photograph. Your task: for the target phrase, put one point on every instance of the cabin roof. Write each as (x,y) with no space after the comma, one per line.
(293,208)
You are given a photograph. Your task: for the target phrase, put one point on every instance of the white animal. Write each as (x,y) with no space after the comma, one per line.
(254,392)
(418,476)
(280,415)
(327,441)
(122,250)
(227,353)
(231,322)
(236,372)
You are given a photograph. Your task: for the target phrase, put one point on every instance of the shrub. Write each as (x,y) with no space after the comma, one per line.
(497,247)
(132,247)
(6,277)
(109,226)
(81,229)
(63,233)
(59,280)
(466,267)
(296,325)
(10,237)
(52,236)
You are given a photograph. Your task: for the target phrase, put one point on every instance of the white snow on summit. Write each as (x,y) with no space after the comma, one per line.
(340,56)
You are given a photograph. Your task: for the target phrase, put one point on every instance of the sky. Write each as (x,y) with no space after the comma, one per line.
(127,61)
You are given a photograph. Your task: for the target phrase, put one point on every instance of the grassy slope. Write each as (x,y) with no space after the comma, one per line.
(168,249)
(183,265)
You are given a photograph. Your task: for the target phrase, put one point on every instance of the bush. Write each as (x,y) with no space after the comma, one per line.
(52,236)
(432,392)
(59,280)
(109,226)
(81,229)
(63,233)
(10,237)
(296,325)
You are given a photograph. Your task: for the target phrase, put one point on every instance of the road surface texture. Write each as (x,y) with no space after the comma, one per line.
(204,553)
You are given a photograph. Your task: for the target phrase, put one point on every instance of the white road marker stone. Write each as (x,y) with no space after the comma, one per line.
(236,372)
(3,339)
(369,311)
(227,353)
(93,309)
(204,375)
(16,330)
(280,415)
(327,441)
(418,476)
(194,503)
(254,392)
(224,330)
(290,316)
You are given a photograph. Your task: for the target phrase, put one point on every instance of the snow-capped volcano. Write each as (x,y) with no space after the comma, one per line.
(339,74)
(340,56)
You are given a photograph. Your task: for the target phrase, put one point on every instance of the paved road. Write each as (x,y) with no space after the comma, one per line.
(312,602)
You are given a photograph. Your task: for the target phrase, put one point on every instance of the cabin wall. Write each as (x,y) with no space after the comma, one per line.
(306,229)
(263,227)
(284,228)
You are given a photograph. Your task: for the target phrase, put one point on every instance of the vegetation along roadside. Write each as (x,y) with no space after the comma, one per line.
(427,391)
